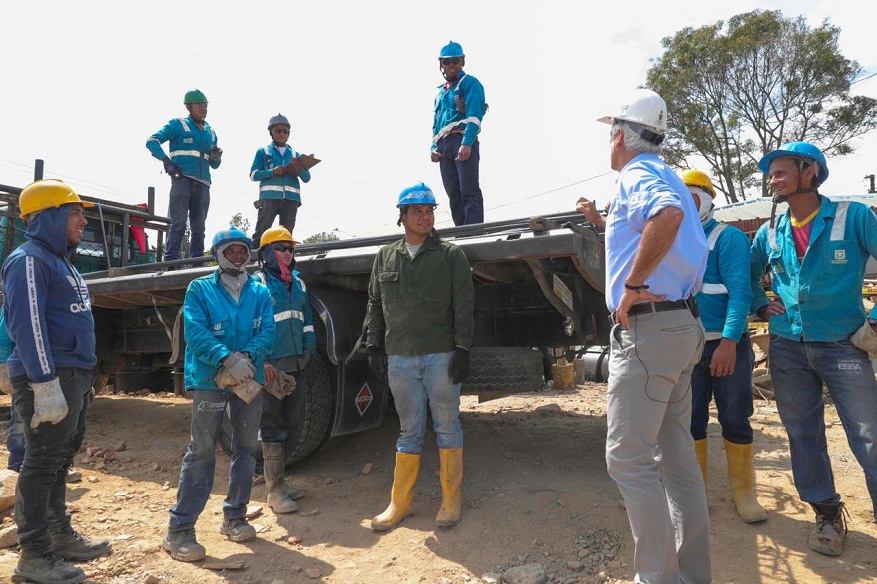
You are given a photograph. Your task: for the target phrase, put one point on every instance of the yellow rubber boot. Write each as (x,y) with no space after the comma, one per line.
(404,477)
(451,476)
(700,449)
(741,476)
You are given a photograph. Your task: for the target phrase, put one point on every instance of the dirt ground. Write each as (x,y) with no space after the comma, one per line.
(535,492)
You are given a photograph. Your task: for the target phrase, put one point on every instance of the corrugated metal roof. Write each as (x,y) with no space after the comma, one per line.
(760,208)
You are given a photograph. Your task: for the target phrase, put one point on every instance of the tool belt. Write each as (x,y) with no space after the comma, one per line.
(689,304)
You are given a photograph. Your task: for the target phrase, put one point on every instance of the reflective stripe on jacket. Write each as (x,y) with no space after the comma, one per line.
(461,106)
(189,147)
(216,325)
(726,294)
(285,186)
(292,317)
(823,293)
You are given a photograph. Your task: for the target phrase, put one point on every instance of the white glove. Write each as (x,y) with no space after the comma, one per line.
(239,367)
(5,384)
(49,403)
(247,390)
(866,339)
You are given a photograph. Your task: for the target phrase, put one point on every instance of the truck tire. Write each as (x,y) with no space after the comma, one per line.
(99,381)
(503,370)
(317,420)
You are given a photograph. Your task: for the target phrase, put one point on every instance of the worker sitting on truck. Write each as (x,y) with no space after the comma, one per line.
(725,367)
(283,403)
(421,314)
(229,329)
(48,315)
(816,252)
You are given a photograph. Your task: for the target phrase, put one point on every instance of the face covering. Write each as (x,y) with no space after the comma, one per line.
(705,206)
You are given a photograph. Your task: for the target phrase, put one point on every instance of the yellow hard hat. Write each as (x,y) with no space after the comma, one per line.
(43,194)
(275,235)
(698,178)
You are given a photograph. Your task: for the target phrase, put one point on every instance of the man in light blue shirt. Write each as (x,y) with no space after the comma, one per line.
(656,256)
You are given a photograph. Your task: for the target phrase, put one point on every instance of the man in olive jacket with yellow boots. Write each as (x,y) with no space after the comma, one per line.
(421,320)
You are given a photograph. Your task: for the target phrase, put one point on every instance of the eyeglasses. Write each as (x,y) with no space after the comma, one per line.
(454,61)
(280,130)
(282,247)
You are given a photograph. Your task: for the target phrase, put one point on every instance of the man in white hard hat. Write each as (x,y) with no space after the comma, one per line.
(656,254)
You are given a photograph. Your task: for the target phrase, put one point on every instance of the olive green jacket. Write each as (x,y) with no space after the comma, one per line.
(420,306)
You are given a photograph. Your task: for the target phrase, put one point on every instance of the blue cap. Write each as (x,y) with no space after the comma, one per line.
(419,194)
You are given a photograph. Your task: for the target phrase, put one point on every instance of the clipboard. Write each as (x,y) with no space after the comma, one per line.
(308,161)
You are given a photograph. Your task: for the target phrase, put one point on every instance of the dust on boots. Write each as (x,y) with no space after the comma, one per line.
(831,529)
(402,495)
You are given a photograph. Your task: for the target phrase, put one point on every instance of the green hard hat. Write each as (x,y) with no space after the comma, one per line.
(194,96)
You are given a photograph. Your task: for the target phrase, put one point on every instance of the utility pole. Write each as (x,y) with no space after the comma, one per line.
(870,177)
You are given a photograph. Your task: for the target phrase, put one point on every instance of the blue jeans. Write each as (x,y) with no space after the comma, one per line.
(421,385)
(41,492)
(284,419)
(798,370)
(461,180)
(733,394)
(199,464)
(188,198)
(15,438)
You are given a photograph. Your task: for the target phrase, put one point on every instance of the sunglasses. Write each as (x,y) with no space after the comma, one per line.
(280,130)
(282,247)
(455,61)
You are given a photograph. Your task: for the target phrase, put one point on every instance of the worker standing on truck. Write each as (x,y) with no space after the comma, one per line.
(229,327)
(459,108)
(656,254)
(420,319)
(286,368)
(725,367)
(816,252)
(193,152)
(279,170)
(48,316)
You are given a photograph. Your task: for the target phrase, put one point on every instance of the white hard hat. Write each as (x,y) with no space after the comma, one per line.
(644,107)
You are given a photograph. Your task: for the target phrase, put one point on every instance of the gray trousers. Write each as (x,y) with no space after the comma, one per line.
(649,449)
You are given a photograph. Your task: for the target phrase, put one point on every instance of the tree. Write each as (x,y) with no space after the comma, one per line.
(240,222)
(735,92)
(321,237)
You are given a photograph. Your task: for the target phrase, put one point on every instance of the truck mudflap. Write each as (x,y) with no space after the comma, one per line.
(360,397)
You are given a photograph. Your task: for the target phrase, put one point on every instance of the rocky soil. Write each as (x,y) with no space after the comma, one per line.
(539,506)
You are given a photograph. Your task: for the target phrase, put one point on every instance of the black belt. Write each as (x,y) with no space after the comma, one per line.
(649,307)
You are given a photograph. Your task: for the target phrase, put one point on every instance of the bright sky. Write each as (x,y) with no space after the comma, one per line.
(86,83)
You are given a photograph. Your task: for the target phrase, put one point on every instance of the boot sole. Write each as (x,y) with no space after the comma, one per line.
(19,577)
(237,539)
(180,557)
(82,557)
(388,526)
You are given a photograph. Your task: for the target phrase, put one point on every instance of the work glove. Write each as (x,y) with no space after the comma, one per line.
(5,383)
(377,361)
(215,153)
(282,385)
(49,403)
(247,390)
(459,366)
(239,367)
(172,168)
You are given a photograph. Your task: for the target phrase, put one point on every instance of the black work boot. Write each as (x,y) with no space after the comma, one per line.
(831,529)
(238,529)
(71,546)
(279,499)
(48,569)
(182,545)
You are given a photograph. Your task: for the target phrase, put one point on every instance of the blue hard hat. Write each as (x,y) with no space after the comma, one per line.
(230,235)
(451,50)
(419,194)
(800,150)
